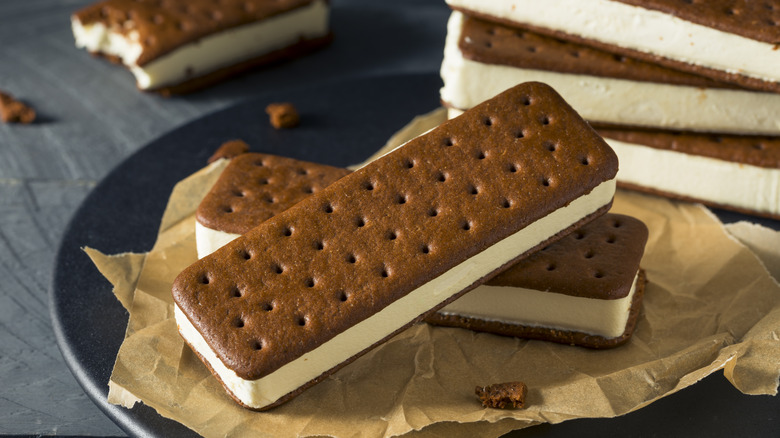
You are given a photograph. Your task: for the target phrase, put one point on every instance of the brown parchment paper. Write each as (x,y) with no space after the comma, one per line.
(710,304)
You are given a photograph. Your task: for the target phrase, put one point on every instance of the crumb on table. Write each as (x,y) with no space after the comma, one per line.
(502,395)
(14,111)
(283,115)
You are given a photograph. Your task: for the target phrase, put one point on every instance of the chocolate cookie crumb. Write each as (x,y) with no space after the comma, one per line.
(229,149)
(283,115)
(502,395)
(13,111)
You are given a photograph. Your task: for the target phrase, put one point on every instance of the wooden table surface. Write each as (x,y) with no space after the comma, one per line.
(90,118)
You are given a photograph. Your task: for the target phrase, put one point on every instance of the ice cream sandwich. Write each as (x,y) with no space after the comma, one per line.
(316,286)
(482,58)
(732,41)
(180,46)
(586,289)
(592,298)
(740,173)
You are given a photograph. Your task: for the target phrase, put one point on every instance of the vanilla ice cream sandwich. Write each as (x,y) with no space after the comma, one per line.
(728,41)
(740,173)
(586,289)
(253,188)
(180,46)
(316,286)
(483,58)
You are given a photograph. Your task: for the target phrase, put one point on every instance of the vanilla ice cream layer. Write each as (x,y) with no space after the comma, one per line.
(266,390)
(208,240)
(210,53)
(708,179)
(535,308)
(615,101)
(640,29)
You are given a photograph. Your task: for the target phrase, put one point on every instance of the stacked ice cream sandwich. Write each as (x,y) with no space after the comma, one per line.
(686,92)
(360,256)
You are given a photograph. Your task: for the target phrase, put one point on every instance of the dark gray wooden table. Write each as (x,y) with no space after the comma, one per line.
(91,118)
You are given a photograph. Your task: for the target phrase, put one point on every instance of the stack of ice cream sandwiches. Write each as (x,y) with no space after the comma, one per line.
(686,92)
(494,221)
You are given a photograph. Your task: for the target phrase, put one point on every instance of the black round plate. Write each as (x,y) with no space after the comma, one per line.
(342,123)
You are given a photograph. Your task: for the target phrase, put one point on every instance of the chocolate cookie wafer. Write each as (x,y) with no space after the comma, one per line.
(253,188)
(180,46)
(586,289)
(731,41)
(603,87)
(316,286)
(740,173)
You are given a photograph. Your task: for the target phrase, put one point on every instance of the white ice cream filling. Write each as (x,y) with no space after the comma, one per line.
(546,309)
(709,179)
(210,53)
(640,29)
(208,240)
(268,389)
(468,83)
